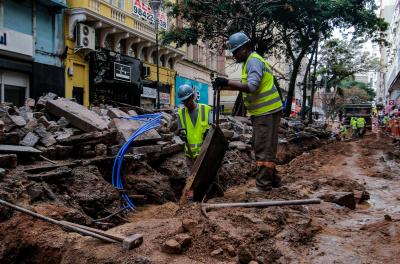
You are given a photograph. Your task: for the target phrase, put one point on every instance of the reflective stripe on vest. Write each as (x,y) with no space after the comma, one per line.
(266,98)
(195,133)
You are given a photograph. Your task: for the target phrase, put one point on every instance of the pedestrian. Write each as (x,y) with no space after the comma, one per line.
(193,122)
(360,126)
(263,103)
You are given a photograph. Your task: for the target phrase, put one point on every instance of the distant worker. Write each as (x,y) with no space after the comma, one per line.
(353,125)
(344,133)
(263,103)
(193,122)
(361,126)
(385,121)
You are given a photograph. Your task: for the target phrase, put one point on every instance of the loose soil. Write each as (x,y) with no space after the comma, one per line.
(324,233)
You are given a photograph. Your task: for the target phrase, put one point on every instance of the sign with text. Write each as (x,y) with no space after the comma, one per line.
(201,89)
(16,42)
(122,72)
(149,92)
(142,9)
(165,98)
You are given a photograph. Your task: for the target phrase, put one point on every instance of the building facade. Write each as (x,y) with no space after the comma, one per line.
(390,94)
(31,49)
(119,63)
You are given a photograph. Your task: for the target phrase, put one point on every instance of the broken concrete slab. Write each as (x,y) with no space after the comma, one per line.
(90,137)
(78,115)
(13,149)
(31,125)
(48,140)
(18,120)
(8,161)
(126,128)
(116,113)
(239,145)
(171,149)
(228,133)
(41,103)
(346,199)
(30,140)
(144,150)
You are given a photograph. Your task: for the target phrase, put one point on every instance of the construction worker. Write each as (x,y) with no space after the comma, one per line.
(263,103)
(353,124)
(193,122)
(343,132)
(361,126)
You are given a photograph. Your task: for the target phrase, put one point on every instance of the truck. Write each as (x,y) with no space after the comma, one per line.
(358,110)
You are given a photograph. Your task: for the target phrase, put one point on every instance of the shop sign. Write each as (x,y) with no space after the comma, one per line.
(165,98)
(122,72)
(149,92)
(142,9)
(13,41)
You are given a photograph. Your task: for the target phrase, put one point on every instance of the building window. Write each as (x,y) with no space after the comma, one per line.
(14,87)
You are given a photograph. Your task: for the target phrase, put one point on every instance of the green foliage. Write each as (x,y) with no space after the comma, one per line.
(349,84)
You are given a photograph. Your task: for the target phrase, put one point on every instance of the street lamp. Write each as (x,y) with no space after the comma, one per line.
(155,5)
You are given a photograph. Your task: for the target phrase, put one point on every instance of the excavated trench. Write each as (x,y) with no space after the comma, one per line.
(82,192)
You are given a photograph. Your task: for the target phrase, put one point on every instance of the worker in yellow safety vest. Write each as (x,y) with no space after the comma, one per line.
(343,132)
(193,122)
(353,124)
(361,126)
(263,103)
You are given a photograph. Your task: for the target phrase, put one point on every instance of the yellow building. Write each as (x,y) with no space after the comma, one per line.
(111,53)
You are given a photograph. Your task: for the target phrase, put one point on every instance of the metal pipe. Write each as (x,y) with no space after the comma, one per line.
(262,204)
(56,222)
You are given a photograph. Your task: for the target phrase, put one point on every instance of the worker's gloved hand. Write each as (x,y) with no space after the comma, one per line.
(220,82)
(182,134)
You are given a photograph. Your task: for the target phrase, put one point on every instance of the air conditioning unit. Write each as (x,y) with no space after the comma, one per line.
(146,71)
(85,37)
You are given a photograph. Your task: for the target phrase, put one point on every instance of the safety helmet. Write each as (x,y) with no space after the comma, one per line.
(185,91)
(237,40)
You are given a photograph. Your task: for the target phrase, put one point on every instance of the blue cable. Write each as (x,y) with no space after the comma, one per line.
(153,121)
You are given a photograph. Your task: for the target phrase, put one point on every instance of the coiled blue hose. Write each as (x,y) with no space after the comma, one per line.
(153,121)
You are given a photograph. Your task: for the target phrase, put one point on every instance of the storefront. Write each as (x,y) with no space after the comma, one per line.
(114,77)
(16,52)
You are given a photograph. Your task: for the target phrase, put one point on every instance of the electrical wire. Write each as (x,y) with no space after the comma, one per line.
(152,121)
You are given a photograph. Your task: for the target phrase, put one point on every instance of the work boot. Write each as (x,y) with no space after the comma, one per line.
(276,180)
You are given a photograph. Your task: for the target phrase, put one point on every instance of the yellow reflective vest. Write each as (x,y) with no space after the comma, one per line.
(266,98)
(195,132)
(353,123)
(361,122)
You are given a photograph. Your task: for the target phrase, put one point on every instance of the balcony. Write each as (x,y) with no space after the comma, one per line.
(110,20)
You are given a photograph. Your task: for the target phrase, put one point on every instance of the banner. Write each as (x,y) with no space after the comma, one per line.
(142,9)
(201,89)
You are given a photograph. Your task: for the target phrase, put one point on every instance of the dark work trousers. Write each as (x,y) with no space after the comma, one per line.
(265,145)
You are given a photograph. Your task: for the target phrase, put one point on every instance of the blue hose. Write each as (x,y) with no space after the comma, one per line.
(152,121)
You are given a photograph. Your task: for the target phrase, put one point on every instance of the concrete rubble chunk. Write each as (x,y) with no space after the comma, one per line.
(18,120)
(126,128)
(13,149)
(30,102)
(2,173)
(184,239)
(144,150)
(217,252)
(177,140)
(63,122)
(43,120)
(8,161)
(189,225)
(2,126)
(100,150)
(30,140)
(12,138)
(116,113)
(31,125)
(53,127)
(41,131)
(132,113)
(78,115)
(43,99)
(228,133)
(171,246)
(239,145)
(246,138)
(38,115)
(346,199)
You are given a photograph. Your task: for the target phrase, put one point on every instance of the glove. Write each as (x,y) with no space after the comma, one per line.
(220,82)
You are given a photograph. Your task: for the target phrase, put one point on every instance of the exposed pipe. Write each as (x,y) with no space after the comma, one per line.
(262,204)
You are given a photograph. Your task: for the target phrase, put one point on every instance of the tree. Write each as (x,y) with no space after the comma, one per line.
(287,28)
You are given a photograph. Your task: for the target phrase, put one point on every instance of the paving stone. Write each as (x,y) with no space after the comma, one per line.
(18,120)
(30,140)
(78,115)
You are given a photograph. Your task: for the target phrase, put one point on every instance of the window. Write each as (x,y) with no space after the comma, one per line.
(14,87)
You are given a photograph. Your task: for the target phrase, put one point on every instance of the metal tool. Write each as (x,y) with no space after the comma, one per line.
(127,242)
(206,207)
